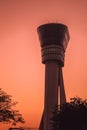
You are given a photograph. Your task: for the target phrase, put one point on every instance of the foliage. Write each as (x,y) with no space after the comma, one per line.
(71,116)
(7,114)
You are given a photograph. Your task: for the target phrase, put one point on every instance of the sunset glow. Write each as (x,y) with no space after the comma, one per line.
(21,70)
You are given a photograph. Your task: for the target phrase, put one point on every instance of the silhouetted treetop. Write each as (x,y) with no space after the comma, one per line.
(72,115)
(7,113)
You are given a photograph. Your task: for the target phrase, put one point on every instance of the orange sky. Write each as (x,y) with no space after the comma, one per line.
(21,70)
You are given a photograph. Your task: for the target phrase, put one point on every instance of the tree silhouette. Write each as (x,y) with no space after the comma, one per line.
(71,116)
(7,113)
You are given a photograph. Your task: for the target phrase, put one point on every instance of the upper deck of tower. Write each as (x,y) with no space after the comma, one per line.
(53,33)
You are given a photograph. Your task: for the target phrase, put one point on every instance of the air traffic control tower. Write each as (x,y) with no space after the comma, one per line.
(54,38)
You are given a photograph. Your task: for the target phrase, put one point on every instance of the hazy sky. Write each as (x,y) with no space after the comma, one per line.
(21,70)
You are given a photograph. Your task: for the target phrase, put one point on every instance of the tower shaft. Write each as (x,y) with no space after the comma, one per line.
(51,92)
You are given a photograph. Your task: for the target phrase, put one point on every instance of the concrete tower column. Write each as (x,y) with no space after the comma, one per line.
(53,38)
(51,91)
